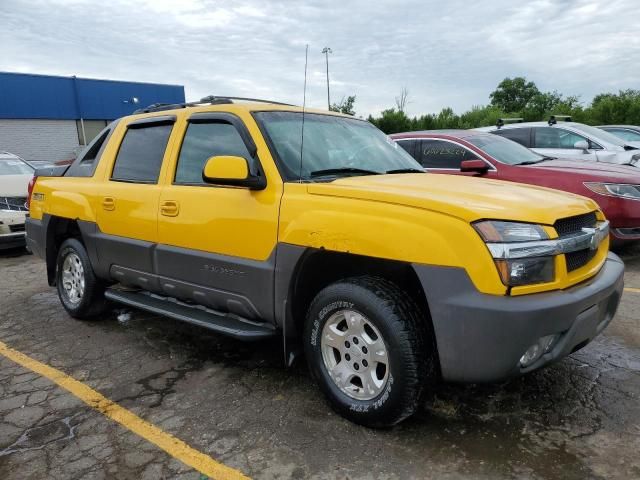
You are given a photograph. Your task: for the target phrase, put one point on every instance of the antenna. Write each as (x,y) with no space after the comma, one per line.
(304,104)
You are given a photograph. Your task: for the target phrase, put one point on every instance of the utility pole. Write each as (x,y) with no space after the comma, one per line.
(327,51)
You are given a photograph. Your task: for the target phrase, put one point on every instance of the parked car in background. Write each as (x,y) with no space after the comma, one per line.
(15,175)
(616,188)
(40,164)
(628,133)
(569,139)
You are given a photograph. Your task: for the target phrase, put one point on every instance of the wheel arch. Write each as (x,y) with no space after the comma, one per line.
(314,269)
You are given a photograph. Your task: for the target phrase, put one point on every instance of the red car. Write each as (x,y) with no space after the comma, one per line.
(616,188)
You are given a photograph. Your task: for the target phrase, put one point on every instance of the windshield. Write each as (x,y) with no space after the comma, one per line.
(14,167)
(504,150)
(598,134)
(333,146)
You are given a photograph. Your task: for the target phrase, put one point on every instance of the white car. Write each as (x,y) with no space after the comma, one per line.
(567,139)
(15,175)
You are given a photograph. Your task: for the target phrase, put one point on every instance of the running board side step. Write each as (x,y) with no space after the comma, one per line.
(196,315)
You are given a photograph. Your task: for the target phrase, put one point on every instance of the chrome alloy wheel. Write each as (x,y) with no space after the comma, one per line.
(73,277)
(355,355)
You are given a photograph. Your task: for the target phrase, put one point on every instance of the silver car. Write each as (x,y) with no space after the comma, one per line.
(628,133)
(567,139)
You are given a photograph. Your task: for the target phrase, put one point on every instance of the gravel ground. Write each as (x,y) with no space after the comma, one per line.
(577,419)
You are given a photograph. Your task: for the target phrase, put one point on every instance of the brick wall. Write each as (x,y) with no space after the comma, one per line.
(50,140)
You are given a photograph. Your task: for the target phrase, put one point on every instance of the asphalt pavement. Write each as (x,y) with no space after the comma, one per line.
(238,406)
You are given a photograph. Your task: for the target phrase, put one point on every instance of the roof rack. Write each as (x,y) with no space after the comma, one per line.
(502,121)
(553,119)
(208,100)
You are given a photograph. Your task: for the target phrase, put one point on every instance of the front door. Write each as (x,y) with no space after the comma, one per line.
(445,156)
(558,142)
(217,243)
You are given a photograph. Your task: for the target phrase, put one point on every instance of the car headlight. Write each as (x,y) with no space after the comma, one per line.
(530,268)
(615,189)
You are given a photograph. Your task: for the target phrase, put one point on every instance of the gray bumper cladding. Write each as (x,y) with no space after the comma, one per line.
(482,337)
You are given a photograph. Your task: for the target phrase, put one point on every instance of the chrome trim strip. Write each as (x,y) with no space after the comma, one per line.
(589,238)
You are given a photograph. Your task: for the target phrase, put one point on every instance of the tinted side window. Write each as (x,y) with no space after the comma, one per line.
(408,146)
(140,156)
(442,154)
(520,135)
(205,140)
(548,137)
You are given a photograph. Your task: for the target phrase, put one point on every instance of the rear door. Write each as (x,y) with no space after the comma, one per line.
(127,210)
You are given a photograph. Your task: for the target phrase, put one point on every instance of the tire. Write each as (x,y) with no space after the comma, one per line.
(370,309)
(87,300)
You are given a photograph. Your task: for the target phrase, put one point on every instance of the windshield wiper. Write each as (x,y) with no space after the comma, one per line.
(529,162)
(347,170)
(406,170)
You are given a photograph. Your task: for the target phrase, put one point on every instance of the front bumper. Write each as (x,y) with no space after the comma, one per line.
(12,227)
(12,240)
(481,337)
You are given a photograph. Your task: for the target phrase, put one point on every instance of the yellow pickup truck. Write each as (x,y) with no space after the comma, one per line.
(258,220)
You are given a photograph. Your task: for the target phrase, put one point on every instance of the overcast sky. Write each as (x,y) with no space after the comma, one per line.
(446,53)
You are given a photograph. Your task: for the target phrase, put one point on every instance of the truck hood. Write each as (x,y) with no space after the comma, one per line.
(14,185)
(467,198)
(598,171)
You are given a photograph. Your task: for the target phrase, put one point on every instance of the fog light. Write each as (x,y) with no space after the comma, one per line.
(535,351)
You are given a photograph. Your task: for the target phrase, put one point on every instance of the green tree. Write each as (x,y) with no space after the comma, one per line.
(513,94)
(345,105)
(392,121)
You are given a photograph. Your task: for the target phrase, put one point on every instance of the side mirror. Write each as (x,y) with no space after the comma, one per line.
(233,171)
(582,145)
(477,166)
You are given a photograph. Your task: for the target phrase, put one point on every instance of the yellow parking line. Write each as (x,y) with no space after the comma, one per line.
(170,444)
(634,290)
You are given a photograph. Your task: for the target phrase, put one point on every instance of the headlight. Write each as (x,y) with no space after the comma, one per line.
(615,189)
(497,231)
(528,269)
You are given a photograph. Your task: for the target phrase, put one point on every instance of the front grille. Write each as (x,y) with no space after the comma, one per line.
(572,225)
(569,225)
(578,259)
(13,203)
(16,228)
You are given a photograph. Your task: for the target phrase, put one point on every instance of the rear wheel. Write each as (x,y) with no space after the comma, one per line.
(80,291)
(370,349)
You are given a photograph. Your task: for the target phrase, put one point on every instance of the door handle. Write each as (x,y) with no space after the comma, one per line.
(108,203)
(170,208)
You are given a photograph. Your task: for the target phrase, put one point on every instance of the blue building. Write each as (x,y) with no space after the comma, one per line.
(51,118)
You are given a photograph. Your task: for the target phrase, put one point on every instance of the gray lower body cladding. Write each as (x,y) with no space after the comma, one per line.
(481,337)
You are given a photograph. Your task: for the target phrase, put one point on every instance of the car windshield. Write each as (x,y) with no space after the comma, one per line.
(14,167)
(626,135)
(333,146)
(505,150)
(599,134)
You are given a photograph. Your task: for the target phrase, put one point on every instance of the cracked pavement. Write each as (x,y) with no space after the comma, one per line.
(579,418)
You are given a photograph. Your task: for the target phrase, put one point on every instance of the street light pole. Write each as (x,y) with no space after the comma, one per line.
(327,51)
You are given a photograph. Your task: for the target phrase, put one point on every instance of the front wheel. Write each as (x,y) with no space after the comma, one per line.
(80,291)
(370,349)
